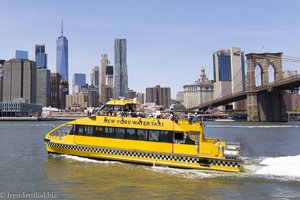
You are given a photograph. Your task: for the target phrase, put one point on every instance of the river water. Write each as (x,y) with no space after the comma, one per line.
(271,152)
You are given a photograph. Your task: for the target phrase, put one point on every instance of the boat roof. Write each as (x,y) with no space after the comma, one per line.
(121,102)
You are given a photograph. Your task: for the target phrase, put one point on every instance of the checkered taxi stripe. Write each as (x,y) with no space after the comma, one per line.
(143,155)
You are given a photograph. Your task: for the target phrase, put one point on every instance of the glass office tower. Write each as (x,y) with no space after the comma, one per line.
(21,54)
(79,79)
(121,77)
(40,56)
(62,56)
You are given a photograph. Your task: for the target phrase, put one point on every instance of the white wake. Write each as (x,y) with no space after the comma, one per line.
(88,160)
(285,166)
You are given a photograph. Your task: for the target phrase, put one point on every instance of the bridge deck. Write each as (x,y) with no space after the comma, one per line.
(284,84)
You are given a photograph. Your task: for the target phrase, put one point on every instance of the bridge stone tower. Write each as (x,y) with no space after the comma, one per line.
(269,105)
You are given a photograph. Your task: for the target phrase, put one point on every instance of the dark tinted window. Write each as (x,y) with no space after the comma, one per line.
(179,136)
(98,132)
(131,134)
(89,130)
(120,133)
(80,130)
(141,134)
(109,132)
(165,136)
(153,135)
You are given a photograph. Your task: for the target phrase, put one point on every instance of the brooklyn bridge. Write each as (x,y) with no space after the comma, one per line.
(266,102)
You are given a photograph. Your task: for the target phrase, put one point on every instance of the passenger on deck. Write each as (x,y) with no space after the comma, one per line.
(195,118)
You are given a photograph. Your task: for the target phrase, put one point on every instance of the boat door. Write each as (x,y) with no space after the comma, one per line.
(186,143)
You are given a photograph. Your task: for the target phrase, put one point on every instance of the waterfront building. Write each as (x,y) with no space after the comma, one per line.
(43,87)
(161,96)
(120,72)
(106,79)
(19,109)
(229,74)
(95,76)
(21,54)
(1,78)
(19,80)
(200,92)
(40,56)
(62,56)
(55,90)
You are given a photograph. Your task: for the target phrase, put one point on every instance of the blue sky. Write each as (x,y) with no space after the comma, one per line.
(168,41)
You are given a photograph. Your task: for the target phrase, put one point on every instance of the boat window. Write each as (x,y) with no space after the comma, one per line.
(141,134)
(89,130)
(62,131)
(165,136)
(80,130)
(131,134)
(179,137)
(73,130)
(194,136)
(120,133)
(117,108)
(98,132)
(153,135)
(109,132)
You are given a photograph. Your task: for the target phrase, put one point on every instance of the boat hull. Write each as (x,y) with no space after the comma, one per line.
(144,157)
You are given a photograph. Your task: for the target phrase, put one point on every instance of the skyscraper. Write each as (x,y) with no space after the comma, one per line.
(62,67)
(62,55)
(40,56)
(43,87)
(159,95)
(19,80)
(55,90)
(106,79)
(79,79)
(229,72)
(120,73)
(103,64)
(1,78)
(95,76)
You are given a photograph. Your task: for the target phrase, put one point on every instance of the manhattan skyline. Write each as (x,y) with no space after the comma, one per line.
(168,42)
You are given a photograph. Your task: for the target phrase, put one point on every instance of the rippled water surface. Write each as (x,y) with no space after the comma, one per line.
(271,152)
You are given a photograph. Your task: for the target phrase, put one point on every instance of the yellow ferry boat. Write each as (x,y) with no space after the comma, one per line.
(118,132)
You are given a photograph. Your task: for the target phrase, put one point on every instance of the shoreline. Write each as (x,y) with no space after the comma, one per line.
(38,118)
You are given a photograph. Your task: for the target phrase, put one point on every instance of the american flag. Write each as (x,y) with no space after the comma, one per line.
(212,110)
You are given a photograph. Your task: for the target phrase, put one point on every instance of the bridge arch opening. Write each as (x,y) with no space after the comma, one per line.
(271,72)
(258,75)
